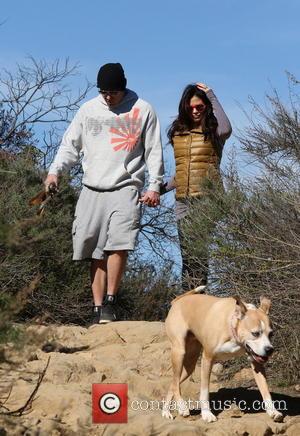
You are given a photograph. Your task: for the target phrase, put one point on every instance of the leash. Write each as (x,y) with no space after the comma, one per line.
(43,197)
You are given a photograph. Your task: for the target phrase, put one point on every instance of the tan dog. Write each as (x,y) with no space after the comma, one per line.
(224,328)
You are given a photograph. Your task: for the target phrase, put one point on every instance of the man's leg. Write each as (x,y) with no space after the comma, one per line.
(116,263)
(123,228)
(115,268)
(99,283)
(98,280)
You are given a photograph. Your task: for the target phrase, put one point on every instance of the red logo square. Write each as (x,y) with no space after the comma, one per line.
(110,403)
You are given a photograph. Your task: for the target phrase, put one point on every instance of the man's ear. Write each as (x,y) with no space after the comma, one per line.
(240,308)
(265,305)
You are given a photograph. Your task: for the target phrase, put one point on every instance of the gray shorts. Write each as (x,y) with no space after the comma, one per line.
(105,221)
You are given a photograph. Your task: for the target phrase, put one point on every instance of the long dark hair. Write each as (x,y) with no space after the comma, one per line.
(185,122)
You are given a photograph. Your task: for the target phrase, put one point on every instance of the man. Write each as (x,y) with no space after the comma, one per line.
(118,134)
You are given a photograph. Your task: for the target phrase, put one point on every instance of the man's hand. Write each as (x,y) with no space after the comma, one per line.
(150,198)
(203,87)
(51,179)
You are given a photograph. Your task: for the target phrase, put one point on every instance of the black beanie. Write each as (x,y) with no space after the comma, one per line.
(111,78)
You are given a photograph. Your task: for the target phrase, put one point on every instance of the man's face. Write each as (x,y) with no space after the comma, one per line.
(112,98)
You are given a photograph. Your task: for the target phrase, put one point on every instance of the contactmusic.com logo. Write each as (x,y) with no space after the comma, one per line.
(110,403)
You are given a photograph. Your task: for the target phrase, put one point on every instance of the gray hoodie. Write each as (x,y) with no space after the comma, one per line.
(116,143)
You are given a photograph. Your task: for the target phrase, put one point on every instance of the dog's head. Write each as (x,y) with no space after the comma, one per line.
(254,329)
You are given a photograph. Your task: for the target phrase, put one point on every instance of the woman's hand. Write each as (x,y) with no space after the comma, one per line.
(203,87)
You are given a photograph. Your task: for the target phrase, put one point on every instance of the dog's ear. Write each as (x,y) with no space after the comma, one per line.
(265,305)
(240,308)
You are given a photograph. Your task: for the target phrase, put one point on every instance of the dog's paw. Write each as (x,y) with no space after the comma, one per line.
(182,408)
(275,415)
(167,414)
(183,412)
(207,416)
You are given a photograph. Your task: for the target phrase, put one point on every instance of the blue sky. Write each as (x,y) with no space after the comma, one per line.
(239,48)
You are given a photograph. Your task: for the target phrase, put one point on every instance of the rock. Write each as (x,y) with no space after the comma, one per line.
(217,368)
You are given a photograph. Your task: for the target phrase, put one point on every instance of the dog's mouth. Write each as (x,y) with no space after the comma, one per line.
(256,357)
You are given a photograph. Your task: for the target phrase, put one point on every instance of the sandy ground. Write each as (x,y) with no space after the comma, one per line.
(132,352)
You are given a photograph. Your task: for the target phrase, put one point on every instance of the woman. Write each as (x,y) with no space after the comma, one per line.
(198,135)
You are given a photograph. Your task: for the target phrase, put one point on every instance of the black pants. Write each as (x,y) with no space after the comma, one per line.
(194,271)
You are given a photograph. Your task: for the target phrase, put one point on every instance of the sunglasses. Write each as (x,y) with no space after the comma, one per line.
(109,92)
(198,107)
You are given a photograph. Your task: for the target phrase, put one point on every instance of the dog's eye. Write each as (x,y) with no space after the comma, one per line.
(256,334)
(271,334)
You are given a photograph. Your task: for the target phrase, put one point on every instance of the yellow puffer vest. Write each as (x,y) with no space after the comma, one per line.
(195,159)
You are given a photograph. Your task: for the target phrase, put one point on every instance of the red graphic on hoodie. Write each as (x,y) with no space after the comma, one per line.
(128,131)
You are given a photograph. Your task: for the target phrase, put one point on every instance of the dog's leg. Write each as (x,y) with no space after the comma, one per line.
(206,366)
(166,404)
(193,348)
(192,352)
(261,381)
(177,356)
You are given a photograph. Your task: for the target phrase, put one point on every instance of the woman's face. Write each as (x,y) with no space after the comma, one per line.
(197,108)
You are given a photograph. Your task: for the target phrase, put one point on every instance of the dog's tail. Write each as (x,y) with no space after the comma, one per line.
(198,290)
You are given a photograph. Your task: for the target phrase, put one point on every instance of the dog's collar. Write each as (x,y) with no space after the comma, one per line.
(234,329)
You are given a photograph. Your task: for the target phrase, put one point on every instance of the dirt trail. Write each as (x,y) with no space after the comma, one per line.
(133,352)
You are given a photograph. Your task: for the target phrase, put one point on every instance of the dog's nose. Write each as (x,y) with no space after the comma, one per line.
(269,350)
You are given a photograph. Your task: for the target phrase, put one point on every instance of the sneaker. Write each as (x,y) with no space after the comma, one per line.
(108,311)
(96,314)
